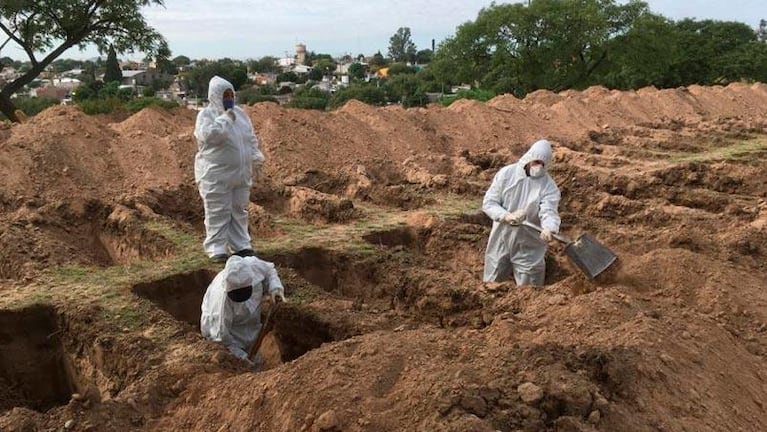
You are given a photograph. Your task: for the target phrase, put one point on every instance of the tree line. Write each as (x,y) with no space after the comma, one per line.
(573,44)
(509,48)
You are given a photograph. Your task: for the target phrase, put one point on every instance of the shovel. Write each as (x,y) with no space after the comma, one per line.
(590,256)
(266,328)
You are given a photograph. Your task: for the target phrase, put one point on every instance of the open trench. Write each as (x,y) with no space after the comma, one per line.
(45,361)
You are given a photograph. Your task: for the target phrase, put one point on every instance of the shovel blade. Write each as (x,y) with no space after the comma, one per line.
(590,256)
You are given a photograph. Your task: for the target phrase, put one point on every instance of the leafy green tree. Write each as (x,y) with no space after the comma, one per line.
(138,104)
(325,65)
(366,93)
(6,62)
(645,55)
(63,65)
(400,68)
(181,60)
(54,26)
(266,64)
(113,71)
(310,98)
(35,105)
(405,89)
(356,71)
(238,78)
(266,90)
(424,56)
(378,61)
(748,61)
(163,61)
(706,49)
(198,77)
(428,81)
(87,91)
(315,74)
(401,46)
(287,77)
(254,94)
(554,44)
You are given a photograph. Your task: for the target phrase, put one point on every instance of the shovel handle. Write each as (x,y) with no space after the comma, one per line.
(265,328)
(559,237)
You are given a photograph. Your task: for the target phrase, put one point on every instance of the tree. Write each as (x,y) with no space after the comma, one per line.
(366,93)
(325,65)
(553,44)
(289,76)
(356,71)
(198,77)
(181,60)
(314,75)
(310,98)
(113,71)
(238,77)
(378,61)
(643,56)
(54,26)
(762,32)
(707,49)
(163,61)
(404,88)
(266,64)
(424,56)
(401,46)
(400,68)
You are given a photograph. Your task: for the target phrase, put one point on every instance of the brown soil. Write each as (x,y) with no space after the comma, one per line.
(371,216)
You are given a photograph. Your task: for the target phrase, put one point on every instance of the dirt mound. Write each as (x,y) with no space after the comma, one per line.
(60,153)
(372,216)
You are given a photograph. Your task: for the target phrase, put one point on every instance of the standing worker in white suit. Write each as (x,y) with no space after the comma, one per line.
(521,191)
(227,150)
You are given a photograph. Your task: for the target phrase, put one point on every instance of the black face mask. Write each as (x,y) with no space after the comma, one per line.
(240,294)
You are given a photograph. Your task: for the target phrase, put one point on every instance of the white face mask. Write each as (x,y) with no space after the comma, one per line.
(536,171)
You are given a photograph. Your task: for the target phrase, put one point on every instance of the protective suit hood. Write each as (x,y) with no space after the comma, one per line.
(216,89)
(239,273)
(540,150)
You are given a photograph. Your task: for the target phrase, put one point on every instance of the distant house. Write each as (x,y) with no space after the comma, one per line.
(301,69)
(144,77)
(50,92)
(72,73)
(343,69)
(66,83)
(265,78)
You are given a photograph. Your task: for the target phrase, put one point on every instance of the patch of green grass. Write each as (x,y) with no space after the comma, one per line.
(37,296)
(739,150)
(182,239)
(452,205)
(71,273)
(302,295)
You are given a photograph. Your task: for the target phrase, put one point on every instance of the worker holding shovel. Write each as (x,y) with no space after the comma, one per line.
(231,308)
(523,191)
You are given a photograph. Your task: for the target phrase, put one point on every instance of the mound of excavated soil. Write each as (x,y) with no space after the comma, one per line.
(402,334)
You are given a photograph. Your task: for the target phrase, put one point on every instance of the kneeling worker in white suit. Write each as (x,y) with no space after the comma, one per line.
(231,309)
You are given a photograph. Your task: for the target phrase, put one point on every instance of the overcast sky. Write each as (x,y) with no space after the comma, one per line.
(248,29)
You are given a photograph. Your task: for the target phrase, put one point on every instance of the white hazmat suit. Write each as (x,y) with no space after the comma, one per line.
(227,147)
(234,324)
(514,248)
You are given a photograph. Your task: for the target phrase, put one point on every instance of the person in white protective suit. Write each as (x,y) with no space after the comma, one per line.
(231,308)
(521,191)
(227,149)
